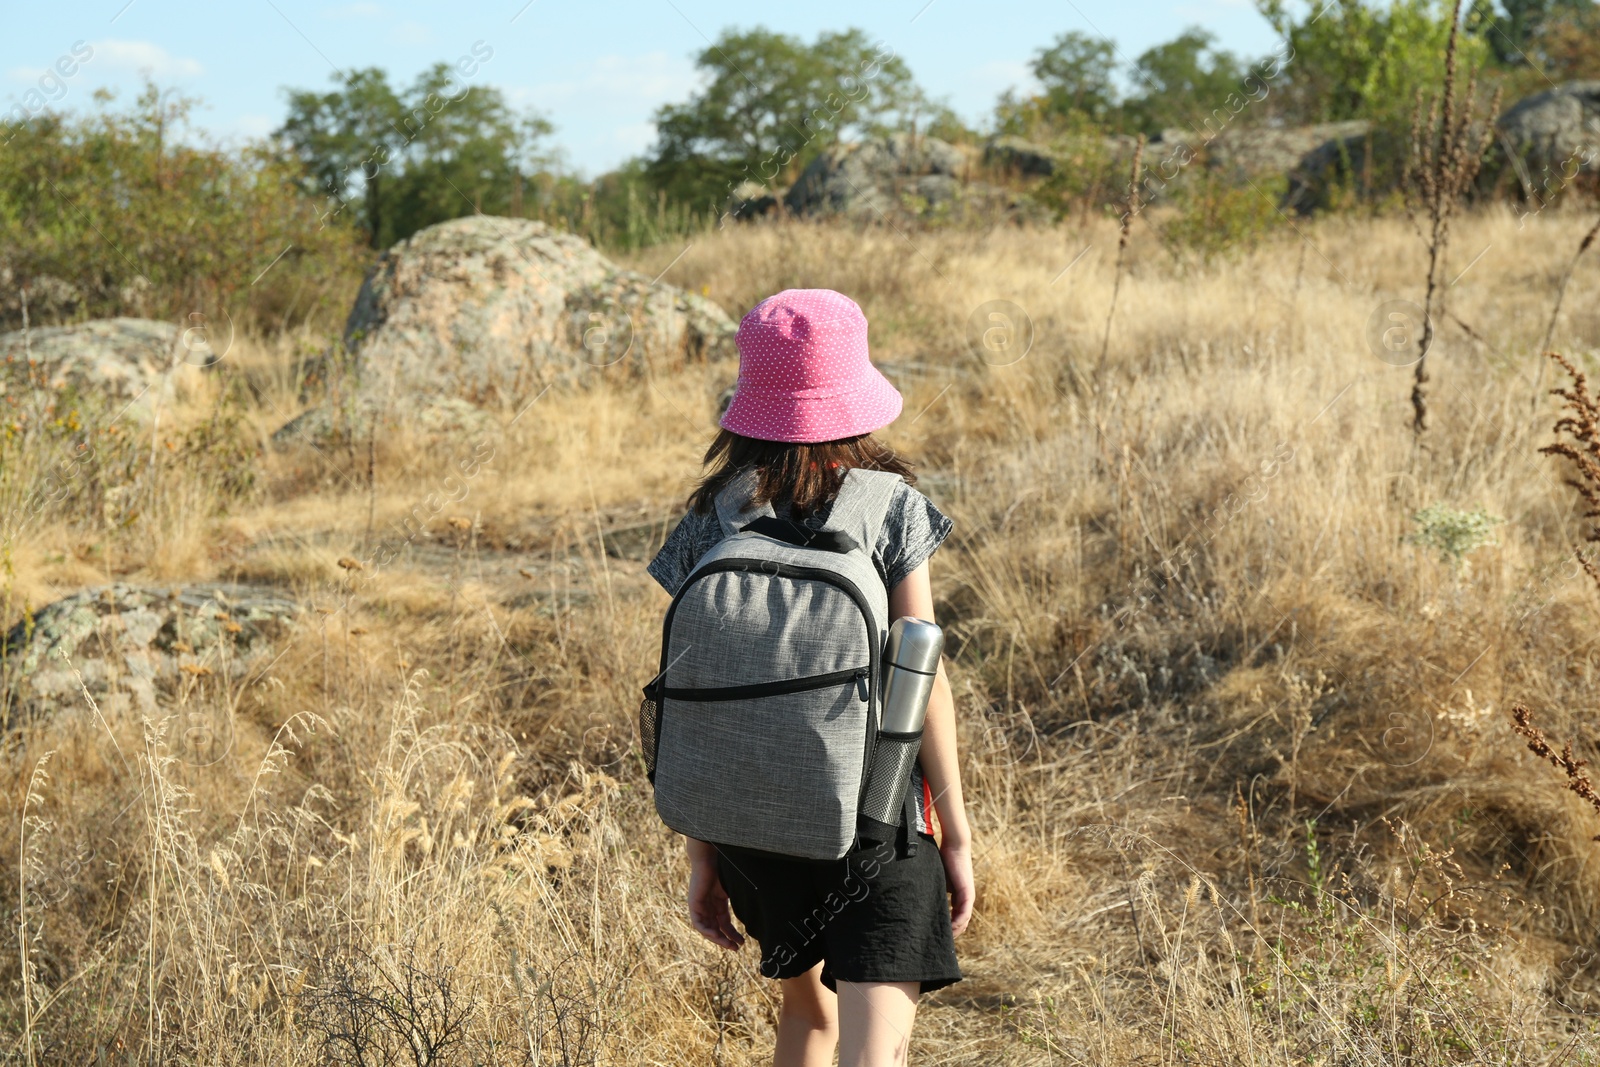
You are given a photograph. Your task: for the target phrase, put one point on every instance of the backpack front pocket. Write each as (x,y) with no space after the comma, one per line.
(775,772)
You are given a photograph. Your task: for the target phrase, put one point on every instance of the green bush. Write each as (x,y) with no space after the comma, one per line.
(1453,534)
(1216,217)
(118,213)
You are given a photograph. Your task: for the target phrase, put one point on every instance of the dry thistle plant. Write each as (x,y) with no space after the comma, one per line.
(1444,161)
(1577,778)
(1131,207)
(1582,425)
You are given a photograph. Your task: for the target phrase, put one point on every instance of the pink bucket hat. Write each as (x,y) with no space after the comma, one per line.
(804,373)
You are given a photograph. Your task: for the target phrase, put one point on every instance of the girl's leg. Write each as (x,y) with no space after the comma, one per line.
(808,1024)
(875,1022)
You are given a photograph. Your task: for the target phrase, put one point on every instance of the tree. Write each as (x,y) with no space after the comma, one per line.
(1513,31)
(1180,82)
(1566,45)
(437,151)
(465,154)
(1076,75)
(345,138)
(1351,60)
(772,103)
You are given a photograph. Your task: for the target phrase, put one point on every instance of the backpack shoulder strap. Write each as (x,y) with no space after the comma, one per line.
(862,505)
(734,509)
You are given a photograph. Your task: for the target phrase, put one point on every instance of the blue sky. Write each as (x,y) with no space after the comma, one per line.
(598,71)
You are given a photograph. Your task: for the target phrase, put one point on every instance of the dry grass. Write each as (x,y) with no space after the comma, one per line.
(1243,778)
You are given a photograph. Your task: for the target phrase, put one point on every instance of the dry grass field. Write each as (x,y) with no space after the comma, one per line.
(1238,745)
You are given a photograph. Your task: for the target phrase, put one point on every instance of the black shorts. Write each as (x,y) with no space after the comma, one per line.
(874,916)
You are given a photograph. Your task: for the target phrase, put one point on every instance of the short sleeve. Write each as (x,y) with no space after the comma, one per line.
(693,537)
(913,530)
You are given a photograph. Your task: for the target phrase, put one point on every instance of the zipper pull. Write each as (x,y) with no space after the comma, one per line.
(861,684)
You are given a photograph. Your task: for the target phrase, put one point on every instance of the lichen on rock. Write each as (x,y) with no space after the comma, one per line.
(139,649)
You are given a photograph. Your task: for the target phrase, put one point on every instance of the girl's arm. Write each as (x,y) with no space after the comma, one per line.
(708,902)
(940,764)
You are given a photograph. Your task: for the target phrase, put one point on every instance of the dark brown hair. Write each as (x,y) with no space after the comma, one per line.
(806,476)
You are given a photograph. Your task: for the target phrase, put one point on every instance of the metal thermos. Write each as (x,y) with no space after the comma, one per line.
(912,657)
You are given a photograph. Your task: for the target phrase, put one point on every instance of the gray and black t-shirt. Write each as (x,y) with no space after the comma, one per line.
(912,530)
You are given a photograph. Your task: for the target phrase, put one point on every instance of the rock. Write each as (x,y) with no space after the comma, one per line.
(1544,139)
(142,650)
(50,299)
(1020,156)
(1246,151)
(868,179)
(751,200)
(134,365)
(1364,166)
(493,310)
(898,178)
(432,417)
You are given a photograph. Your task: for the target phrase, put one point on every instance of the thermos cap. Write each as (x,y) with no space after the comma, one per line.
(915,644)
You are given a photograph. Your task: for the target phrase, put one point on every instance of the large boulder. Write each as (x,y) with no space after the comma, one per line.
(49,299)
(1548,137)
(131,366)
(891,176)
(752,200)
(1248,151)
(1020,156)
(486,312)
(149,651)
(1365,165)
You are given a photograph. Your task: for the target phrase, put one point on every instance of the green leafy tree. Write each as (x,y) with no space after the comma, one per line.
(1180,82)
(1565,45)
(1513,29)
(1355,60)
(465,155)
(773,102)
(346,138)
(1076,72)
(406,160)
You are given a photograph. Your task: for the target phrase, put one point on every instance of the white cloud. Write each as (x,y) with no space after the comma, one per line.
(650,79)
(142,56)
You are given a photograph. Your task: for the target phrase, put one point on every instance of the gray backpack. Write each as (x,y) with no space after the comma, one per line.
(760,726)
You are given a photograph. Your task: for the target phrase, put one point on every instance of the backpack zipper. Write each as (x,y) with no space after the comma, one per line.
(854,675)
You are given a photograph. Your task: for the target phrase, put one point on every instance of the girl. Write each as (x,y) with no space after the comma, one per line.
(854,942)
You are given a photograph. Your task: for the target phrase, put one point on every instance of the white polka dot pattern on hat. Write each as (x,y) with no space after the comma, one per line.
(804,371)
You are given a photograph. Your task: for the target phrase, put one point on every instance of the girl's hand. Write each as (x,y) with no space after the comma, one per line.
(957,857)
(709,911)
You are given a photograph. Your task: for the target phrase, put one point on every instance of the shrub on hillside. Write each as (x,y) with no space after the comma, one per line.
(119,213)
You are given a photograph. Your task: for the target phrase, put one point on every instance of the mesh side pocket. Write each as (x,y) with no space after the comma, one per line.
(891,776)
(649,732)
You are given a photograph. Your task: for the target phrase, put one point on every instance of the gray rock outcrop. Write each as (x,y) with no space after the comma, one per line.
(1020,156)
(142,650)
(1361,165)
(131,365)
(1549,136)
(1246,151)
(489,311)
(890,176)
